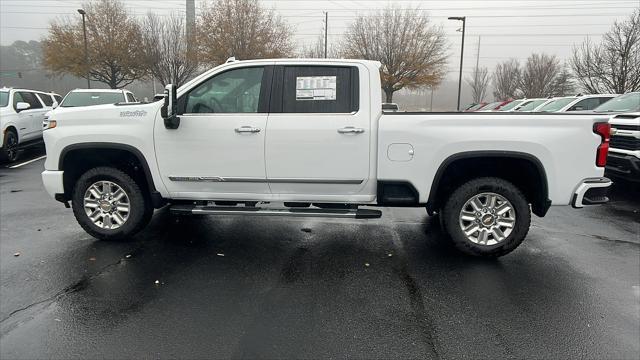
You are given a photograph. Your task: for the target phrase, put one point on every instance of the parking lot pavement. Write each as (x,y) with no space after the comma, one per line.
(313,288)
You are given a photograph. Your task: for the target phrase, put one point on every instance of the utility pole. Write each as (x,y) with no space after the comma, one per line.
(464,20)
(86,47)
(478,53)
(191,24)
(326,29)
(431,102)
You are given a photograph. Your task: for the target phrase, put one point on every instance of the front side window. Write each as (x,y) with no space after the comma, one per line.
(85,98)
(4,98)
(29,98)
(233,91)
(131,98)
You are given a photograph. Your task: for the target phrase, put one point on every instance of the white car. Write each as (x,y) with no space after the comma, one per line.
(311,134)
(576,103)
(21,114)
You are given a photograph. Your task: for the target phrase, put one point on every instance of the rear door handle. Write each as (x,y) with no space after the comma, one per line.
(247,129)
(351,130)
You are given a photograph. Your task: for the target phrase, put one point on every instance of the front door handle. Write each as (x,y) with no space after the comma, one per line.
(247,129)
(351,130)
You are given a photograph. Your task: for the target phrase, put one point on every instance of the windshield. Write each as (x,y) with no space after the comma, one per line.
(556,105)
(491,106)
(476,107)
(4,98)
(74,99)
(624,103)
(532,105)
(511,105)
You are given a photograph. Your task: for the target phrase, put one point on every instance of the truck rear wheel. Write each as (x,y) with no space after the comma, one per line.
(487,217)
(109,204)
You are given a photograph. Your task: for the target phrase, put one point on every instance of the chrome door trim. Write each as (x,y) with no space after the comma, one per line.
(262,180)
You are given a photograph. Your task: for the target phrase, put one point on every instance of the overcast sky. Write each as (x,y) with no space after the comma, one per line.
(508,29)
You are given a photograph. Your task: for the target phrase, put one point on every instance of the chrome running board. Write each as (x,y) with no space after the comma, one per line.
(256,211)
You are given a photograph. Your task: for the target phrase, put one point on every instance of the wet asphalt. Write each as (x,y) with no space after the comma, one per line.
(246,287)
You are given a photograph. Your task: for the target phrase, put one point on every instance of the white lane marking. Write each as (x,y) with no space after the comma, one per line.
(27,162)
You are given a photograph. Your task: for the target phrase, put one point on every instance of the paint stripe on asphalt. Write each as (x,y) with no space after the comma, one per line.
(27,162)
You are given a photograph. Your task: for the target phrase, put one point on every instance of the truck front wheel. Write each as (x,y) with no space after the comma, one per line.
(109,204)
(487,217)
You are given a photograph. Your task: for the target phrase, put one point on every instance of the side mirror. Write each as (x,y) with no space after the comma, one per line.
(55,105)
(22,106)
(169,110)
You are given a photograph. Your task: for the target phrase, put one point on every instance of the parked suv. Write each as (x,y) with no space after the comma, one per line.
(624,147)
(21,114)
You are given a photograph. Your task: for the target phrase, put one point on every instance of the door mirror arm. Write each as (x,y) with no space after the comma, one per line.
(169,110)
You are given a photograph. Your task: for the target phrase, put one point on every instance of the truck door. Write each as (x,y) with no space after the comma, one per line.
(217,152)
(318,132)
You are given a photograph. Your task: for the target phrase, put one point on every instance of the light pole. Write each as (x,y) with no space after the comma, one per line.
(326,29)
(463,19)
(86,49)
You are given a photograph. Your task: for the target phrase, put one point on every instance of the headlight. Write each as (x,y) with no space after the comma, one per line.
(49,124)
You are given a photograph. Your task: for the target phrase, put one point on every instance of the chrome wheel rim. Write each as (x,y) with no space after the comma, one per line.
(487,219)
(12,147)
(107,205)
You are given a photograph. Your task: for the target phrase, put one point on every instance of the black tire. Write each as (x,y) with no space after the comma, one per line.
(10,146)
(454,205)
(140,212)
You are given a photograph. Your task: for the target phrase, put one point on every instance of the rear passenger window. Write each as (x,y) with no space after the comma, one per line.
(46,99)
(58,98)
(131,98)
(30,98)
(317,89)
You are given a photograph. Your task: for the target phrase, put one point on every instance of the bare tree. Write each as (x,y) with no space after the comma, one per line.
(412,51)
(478,83)
(168,50)
(613,66)
(241,28)
(543,75)
(506,79)
(115,55)
(316,50)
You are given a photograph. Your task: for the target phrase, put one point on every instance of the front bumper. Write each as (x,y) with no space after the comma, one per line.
(623,166)
(592,191)
(53,182)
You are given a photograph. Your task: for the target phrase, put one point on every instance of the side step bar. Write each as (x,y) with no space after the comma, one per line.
(256,211)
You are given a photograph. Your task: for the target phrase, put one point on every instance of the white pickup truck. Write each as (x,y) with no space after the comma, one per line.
(311,134)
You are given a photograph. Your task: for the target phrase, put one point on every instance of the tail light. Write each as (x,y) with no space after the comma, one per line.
(604,130)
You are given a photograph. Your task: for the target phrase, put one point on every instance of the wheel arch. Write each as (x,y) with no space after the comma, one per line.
(111,150)
(450,172)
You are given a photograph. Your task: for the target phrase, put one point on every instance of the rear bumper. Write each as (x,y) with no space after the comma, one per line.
(592,191)
(53,182)
(623,166)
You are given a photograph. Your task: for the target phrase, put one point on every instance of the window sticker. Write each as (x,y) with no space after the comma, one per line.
(315,88)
